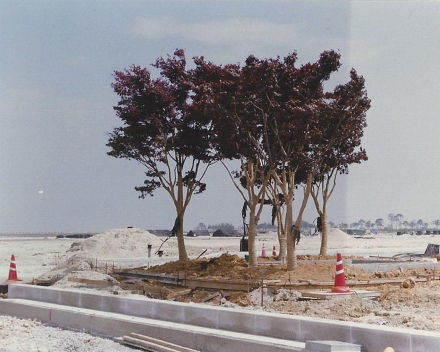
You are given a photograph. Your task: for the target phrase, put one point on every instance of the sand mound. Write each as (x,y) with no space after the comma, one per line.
(112,244)
(337,236)
(77,262)
(89,275)
(121,243)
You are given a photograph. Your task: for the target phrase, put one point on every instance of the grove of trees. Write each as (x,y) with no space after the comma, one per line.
(396,222)
(274,118)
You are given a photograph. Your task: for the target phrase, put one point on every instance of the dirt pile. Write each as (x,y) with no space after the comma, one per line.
(234,267)
(130,242)
(88,279)
(111,244)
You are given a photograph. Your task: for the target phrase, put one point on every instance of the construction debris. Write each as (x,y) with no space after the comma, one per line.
(104,283)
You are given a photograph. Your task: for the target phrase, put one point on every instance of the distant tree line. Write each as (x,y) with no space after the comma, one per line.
(395,222)
(261,227)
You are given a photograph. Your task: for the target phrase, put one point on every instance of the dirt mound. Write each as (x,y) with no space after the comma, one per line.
(233,267)
(89,276)
(77,262)
(230,266)
(340,237)
(121,243)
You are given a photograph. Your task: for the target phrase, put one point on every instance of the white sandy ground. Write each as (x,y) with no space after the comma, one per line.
(45,258)
(129,248)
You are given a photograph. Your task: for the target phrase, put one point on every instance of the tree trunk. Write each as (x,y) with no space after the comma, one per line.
(255,202)
(326,192)
(291,256)
(286,183)
(315,195)
(324,231)
(253,259)
(180,213)
(300,215)
(180,239)
(282,238)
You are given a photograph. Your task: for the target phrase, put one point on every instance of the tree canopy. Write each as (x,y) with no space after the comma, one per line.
(272,115)
(269,115)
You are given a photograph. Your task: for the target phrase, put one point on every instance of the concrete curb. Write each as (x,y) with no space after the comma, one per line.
(113,324)
(261,324)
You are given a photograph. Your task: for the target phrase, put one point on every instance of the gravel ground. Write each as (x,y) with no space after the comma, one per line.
(23,335)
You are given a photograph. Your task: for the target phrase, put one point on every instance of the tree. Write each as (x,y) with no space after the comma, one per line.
(263,113)
(266,116)
(392,218)
(343,119)
(354,225)
(296,135)
(273,114)
(368,224)
(398,218)
(238,121)
(223,226)
(165,131)
(379,223)
(265,226)
(201,227)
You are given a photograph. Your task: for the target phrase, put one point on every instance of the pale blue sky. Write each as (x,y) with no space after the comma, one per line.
(56,64)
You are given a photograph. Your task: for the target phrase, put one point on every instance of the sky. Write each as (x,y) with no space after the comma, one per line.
(57,59)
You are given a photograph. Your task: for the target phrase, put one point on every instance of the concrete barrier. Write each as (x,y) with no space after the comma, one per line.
(115,325)
(289,327)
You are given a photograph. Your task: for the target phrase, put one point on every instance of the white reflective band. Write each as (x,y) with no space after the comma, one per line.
(339,263)
(339,272)
(12,269)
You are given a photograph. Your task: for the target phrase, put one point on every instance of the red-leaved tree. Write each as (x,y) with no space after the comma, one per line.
(165,131)
(295,134)
(342,119)
(232,99)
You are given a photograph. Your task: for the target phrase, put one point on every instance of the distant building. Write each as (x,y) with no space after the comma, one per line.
(226,233)
(200,232)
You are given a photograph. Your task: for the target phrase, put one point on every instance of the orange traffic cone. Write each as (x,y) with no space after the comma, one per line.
(340,286)
(12,271)
(274,251)
(263,251)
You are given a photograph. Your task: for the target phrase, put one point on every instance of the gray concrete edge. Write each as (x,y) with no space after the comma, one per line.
(115,325)
(288,327)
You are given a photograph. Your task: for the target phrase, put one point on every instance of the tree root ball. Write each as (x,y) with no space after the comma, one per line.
(388,349)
